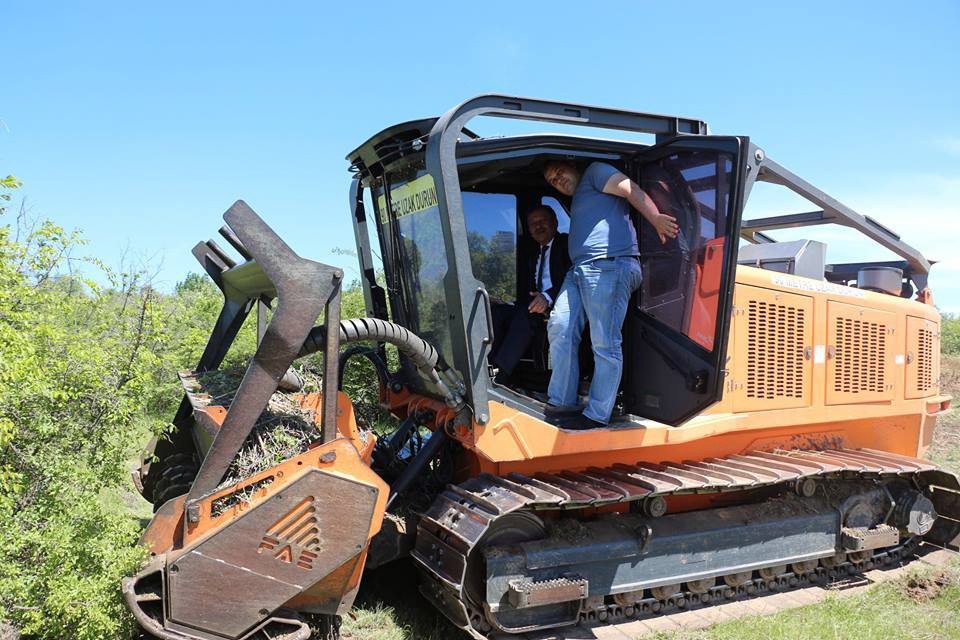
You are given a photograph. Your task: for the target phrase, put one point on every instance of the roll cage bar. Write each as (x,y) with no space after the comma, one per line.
(833,212)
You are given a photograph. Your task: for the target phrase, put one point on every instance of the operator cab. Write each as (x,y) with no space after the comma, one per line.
(681,277)
(449,214)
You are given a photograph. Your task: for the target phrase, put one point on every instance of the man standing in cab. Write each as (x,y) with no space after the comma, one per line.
(606,271)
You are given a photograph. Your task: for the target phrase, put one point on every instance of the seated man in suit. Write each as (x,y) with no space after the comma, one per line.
(541,274)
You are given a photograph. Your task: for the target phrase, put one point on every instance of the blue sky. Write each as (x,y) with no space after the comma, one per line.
(140,123)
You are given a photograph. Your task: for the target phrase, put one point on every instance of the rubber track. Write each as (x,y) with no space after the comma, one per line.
(456,521)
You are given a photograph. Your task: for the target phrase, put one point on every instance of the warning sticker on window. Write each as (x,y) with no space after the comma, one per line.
(406,199)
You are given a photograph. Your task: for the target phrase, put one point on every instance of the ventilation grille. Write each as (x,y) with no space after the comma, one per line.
(775,350)
(924,360)
(861,355)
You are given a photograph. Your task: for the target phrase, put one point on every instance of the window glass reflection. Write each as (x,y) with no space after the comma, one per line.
(682,277)
(491,220)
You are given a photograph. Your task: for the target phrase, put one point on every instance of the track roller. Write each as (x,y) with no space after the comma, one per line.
(738,579)
(772,573)
(803,568)
(701,586)
(665,592)
(628,598)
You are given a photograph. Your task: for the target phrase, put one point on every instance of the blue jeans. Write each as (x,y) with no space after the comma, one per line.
(596,292)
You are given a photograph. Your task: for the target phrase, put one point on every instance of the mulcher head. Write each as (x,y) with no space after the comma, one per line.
(240,560)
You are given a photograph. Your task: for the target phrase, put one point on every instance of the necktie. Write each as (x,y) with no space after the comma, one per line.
(543,255)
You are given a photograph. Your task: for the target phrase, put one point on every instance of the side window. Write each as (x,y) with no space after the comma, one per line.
(491,220)
(563,218)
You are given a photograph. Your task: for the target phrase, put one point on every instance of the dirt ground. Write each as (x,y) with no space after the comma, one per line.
(923,588)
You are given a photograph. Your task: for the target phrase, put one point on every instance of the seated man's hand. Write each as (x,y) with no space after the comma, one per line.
(539,303)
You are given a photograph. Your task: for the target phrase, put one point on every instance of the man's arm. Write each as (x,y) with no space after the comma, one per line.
(623,187)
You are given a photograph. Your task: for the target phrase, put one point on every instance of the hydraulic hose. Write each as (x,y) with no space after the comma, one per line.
(423,355)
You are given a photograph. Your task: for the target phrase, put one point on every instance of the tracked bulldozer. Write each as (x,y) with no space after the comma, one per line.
(769,432)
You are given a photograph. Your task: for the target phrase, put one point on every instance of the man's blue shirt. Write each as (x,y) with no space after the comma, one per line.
(600,225)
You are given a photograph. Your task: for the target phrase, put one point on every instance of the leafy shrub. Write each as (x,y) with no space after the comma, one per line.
(360,380)
(77,360)
(950,334)
(87,372)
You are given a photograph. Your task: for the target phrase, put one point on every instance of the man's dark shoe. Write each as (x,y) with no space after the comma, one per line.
(580,422)
(553,410)
(539,396)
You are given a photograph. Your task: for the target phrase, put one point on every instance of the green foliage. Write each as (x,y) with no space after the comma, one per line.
(950,334)
(77,362)
(87,369)
(8,183)
(190,315)
(493,265)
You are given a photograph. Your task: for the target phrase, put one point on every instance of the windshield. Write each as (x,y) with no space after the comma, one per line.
(413,243)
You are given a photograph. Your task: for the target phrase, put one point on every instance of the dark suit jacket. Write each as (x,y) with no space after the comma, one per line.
(559,265)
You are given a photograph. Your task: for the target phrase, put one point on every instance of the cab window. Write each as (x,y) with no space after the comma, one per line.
(491,220)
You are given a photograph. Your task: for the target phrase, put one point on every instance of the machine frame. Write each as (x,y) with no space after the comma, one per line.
(820,459)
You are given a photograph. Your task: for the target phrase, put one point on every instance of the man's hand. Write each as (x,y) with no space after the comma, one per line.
(665,225)
(539,304)
(622,186)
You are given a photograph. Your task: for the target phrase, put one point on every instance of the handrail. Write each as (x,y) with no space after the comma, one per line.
(834,212)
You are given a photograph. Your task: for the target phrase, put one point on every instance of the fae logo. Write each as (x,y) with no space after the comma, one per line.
(295,538)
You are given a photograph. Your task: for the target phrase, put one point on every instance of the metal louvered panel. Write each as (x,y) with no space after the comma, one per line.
(774,350)
(860,354)
(772,347)
(860,351)
(922,358)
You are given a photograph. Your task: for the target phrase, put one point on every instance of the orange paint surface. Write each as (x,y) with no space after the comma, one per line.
(843,395)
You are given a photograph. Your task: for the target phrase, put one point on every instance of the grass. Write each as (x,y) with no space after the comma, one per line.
(920,606)
(389,607)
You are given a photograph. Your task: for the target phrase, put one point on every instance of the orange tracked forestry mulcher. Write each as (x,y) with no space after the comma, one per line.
(769,431)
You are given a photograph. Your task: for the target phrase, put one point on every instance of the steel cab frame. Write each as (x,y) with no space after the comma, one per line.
(682,361)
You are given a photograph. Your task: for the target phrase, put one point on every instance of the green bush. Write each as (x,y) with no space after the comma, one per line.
(77,363)
(87,372)
(189,316)
(950,334)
